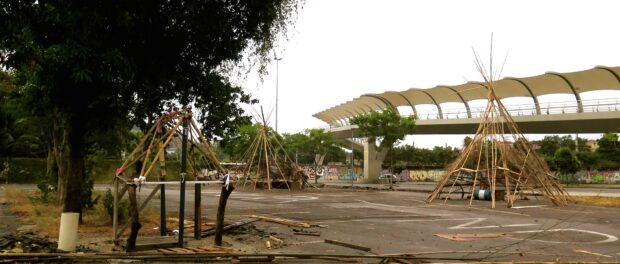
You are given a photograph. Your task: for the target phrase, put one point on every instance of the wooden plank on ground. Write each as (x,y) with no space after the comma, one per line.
(283,221)
(339,243)
(209,232)
(215,249)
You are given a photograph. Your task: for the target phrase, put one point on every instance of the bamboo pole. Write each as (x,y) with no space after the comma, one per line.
(170,136)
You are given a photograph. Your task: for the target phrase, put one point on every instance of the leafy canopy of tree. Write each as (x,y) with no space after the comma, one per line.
(97,63)
(20,136)
(411,157)
(302,145)
(566,161)
(386,126)
(605,157)
(549,145)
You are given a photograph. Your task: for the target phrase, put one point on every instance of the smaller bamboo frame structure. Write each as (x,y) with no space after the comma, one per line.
(500,156)
(267,164)
(150,153)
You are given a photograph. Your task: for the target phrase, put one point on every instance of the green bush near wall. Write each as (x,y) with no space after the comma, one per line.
(102,171)
(29,170)
(24,170)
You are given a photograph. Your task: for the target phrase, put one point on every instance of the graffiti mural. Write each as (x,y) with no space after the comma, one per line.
(426,175)
(600,177)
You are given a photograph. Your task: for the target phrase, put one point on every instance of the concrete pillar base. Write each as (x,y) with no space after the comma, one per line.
(372,162)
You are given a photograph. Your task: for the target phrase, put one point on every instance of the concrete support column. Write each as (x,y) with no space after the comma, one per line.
(372,162)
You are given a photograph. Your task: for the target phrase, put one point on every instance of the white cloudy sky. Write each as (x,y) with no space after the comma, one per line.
(341,49)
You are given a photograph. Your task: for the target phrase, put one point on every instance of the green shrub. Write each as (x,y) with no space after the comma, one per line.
(25,170)
(123,207)
(31,170)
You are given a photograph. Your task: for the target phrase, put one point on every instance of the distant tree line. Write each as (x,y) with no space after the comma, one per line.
(411,157)
(567,155)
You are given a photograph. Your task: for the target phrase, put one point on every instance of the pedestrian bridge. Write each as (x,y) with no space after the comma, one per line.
(596,116)
(575,116)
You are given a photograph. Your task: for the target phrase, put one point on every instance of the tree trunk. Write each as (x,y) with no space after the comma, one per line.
(49,165)
(221,210)
(135,218)
(59,144)
(75,173)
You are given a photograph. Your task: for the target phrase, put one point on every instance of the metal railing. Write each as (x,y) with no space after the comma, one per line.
(549,108)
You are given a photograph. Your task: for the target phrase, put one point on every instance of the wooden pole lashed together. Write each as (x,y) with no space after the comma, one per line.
(151,153)
(499,161)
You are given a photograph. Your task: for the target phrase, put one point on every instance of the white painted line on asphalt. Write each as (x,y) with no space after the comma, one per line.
(529,206)
(290,213)
(609,238)
(437,205)
(295,198)
(342,221)
(432,220)
(478,220)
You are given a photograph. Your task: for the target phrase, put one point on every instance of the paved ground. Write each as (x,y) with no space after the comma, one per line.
(427,187)
(9,222)
(401,222)
(396,222)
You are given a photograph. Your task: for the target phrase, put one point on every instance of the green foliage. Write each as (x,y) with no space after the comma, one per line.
(99,65)
(237,144)
(87,194)
(549,145)
(26,170)
(588,159)
(123,206)
(311,142)
(21,134)
(412,157)
(566,161)
(47,191)
(387,126)
(609,148)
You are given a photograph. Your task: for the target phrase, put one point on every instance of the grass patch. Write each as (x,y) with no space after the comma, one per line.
(46,216)
(597,200)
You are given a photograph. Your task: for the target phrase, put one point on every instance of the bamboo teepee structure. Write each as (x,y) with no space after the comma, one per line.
(146,165)
(151,150)
(500,158)
(267,164)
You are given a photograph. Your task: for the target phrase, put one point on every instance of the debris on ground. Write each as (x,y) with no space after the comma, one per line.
(26,243)
(283,221)
(234,225)
(339,243)
(193,250)
(303,232)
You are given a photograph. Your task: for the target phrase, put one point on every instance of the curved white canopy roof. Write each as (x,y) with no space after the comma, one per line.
(598,78)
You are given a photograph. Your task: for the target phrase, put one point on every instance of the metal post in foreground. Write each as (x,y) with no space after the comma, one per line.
(197,212)
(183,174)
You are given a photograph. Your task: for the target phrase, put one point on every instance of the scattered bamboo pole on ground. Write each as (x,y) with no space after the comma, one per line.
(283,221)
(339,243)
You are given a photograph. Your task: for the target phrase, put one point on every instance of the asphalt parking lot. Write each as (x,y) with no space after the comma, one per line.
(396,222)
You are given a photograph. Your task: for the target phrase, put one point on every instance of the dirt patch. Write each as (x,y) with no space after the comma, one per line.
(597,200)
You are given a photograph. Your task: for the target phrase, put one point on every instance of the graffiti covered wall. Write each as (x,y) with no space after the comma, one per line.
(601,177)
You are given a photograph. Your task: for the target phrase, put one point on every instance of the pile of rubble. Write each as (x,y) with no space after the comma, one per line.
(26,243)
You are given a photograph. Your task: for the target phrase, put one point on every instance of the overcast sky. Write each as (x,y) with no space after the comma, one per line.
(340,50)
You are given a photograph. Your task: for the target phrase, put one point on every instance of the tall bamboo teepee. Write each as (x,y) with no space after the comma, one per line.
(267,164)
(167,131)
(500,158)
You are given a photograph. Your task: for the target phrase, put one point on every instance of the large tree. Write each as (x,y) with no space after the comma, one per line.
(387,126)
(97,63)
